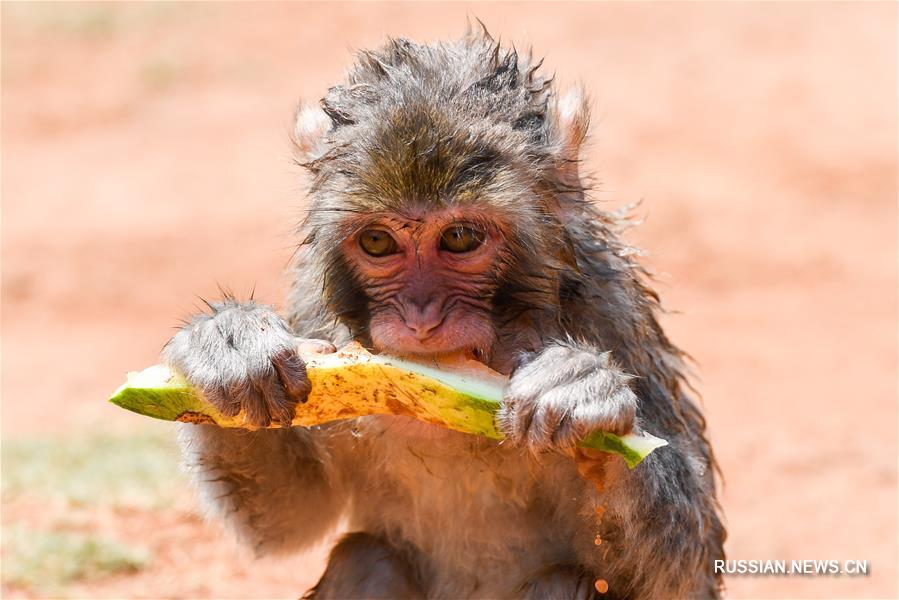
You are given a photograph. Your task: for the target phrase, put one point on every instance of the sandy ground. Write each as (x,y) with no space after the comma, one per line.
(145,160)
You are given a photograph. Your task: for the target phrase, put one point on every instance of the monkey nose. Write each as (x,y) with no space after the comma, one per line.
(424,325)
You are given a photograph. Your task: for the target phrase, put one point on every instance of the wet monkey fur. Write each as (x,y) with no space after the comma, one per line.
(447,214)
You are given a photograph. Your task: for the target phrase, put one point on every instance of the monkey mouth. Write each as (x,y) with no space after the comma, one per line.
(442,355)
(462,353)
(454,337)
(476,354)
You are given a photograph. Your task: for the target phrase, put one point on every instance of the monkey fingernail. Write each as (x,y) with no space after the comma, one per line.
(315,347)
(597,540)
(601,585)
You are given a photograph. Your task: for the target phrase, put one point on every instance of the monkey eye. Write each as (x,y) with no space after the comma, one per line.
(377,242)
(460,238)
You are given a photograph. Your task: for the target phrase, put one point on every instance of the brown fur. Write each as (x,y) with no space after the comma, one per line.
(471,125)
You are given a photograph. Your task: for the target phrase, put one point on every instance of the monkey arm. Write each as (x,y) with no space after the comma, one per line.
(664,508)
(278,489)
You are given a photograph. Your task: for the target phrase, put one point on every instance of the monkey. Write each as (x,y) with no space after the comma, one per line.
(447,213)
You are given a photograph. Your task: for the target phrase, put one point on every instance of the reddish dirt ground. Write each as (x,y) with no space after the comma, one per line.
(145,160)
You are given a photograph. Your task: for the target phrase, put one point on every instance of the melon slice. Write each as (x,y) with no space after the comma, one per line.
(456,393)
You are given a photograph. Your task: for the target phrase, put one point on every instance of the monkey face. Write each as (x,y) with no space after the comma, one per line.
(440,194)
(429,279)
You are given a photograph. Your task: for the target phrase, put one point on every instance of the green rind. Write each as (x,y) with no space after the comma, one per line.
(454,406)
(160,403)
(457,402)
(469,386)
(159,393)
(633,448)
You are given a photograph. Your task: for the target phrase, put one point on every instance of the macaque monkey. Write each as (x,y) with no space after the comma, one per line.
(447,214)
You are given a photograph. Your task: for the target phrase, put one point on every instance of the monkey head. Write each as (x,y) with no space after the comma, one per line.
(440,185)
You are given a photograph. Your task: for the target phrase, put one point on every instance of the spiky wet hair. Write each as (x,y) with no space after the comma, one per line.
(471,122)
(466,123)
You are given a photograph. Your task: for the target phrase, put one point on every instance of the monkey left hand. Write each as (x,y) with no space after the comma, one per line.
(564,394)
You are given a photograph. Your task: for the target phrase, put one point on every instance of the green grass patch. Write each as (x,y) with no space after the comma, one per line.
(45,561)
(79,478)
(140,469)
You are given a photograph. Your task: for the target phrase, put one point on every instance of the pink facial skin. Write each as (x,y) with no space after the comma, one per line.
(427,300)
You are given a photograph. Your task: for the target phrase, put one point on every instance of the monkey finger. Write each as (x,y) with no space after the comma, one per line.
(231,399)
(240,393)
(256,408)
(545,426)
(280,406)
(229,373)
(314,346)
(219,397)
(517,419)
(567,433)
(292,372)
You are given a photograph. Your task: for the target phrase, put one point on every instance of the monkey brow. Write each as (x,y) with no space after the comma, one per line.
(395,220)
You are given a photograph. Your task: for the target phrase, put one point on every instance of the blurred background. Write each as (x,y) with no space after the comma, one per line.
(145,160)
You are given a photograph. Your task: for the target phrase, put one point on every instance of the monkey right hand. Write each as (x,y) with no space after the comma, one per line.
(243,356)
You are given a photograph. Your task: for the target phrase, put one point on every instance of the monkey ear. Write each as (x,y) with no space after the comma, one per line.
(572,122)
(309,132)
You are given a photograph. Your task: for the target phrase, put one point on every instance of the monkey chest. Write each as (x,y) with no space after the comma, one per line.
(457,497)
